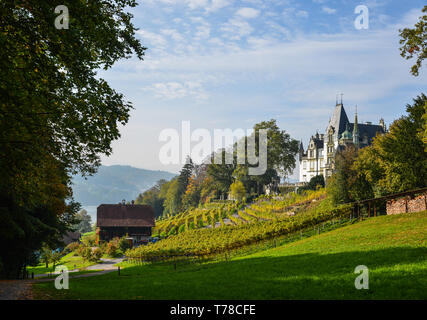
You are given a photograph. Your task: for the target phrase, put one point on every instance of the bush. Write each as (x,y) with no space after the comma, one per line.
(73,246)
(123,244)
(89,240)
(112,248)
(86,253)
(96,255)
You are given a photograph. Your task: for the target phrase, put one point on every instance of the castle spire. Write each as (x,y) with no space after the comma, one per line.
(356,131)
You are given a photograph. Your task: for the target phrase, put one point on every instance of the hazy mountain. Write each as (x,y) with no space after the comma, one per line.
(111,184)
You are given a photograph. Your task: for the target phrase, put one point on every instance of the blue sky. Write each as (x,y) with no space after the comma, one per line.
(230,64)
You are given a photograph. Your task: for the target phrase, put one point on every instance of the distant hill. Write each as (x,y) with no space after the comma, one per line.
(111,184)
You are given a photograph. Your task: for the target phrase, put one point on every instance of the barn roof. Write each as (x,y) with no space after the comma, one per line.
(120,215)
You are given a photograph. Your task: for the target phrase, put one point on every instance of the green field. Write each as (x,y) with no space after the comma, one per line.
(70,261)
(394,248)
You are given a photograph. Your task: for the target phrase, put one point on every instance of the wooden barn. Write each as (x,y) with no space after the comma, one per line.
(118,220)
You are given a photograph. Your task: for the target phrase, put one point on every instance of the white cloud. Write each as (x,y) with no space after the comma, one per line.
(152,38)
(235,29)
(195,4)
(302,14)
(173,33)
(329,10)
(217,4)
(177,90)
(248,13)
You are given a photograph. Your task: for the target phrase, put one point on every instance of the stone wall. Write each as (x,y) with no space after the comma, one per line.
(407,204)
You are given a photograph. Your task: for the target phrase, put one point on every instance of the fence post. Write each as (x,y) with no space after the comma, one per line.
(118,269)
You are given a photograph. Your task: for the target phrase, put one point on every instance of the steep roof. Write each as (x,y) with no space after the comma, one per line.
(370,130)
(119,215)
(339,119)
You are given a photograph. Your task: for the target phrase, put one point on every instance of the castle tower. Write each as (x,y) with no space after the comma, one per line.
(355,131)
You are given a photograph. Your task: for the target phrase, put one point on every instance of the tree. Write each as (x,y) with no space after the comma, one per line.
(85,220)
(414,42)
(423,132)
(55,258)
(173,198)
(238,191)
(221,173)
(341,181)
(281,148)
(191,196)
(45,255)
(153,198)
(314,183)
(57,116)
(397,161)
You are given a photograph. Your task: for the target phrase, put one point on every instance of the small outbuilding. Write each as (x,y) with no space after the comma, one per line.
(117,220)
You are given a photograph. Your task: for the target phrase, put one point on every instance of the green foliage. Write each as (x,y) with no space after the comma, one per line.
(153,197)
(89,240)
(414,42)
(57,116)
(123,244)
(96,255)
(112,248)
(238,191)
(56,257)
(45,255)
(341,184)
(315,183)
(73,246)
(393,247)
(84,222)
(397,161)
(281,148)
(181,228)
(215,240)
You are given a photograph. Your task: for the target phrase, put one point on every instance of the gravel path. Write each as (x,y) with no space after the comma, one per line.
(21,289)
(106,264)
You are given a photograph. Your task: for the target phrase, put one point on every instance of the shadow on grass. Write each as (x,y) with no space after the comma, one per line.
(394,273)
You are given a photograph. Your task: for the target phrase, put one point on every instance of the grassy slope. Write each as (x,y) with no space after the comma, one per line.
(68,260)
(394,248)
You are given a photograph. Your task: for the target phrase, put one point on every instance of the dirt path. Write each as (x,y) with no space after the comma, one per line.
(22,289)
(15,290)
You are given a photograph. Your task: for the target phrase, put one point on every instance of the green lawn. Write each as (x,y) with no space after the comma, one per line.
(394,248)
(68,260)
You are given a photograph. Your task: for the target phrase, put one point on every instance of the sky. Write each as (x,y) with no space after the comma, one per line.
(231,64)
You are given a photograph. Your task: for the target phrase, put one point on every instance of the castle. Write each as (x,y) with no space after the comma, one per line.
(322,148)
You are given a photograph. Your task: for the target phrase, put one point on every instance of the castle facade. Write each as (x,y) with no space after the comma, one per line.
(319,157)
